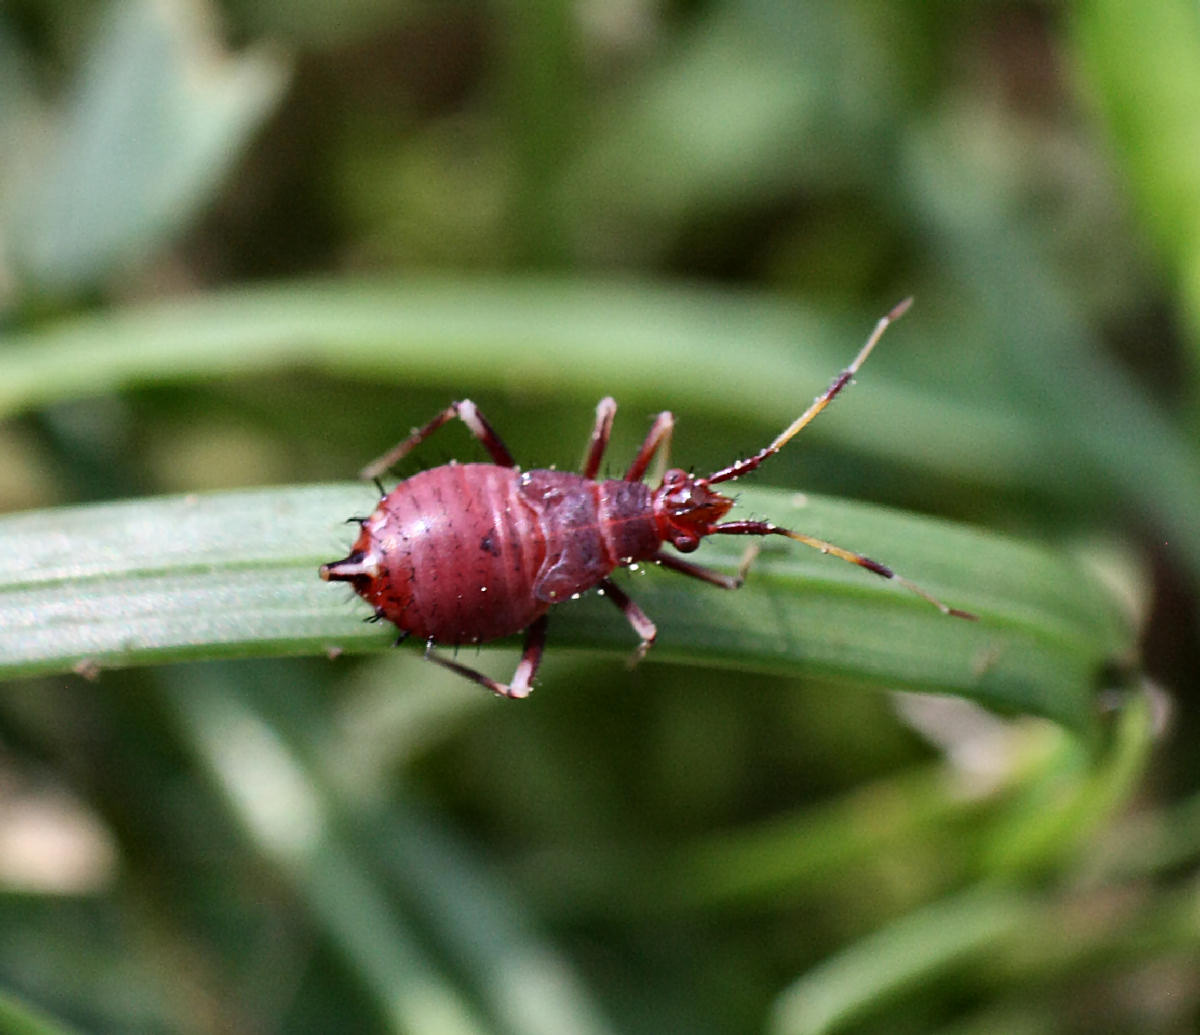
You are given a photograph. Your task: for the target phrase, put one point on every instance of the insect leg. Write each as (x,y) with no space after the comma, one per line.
(767,528)
(469,414)
(522,680)
(642,625)
(658,437)
(605,411)
(697,571)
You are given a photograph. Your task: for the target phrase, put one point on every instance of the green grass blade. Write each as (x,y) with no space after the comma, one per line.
(287,816)
(550,337)
(159,82)
(1103,428)
(893,960)
(235,574)
(18,1018)
(1122,49)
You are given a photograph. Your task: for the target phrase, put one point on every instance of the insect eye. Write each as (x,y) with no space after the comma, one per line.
(684,542)
(674,477)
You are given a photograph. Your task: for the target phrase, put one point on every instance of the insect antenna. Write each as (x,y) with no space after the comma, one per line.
(741,467)
(763,528)
(768,528)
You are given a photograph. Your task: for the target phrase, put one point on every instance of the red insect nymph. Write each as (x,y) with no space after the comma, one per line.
(466,553)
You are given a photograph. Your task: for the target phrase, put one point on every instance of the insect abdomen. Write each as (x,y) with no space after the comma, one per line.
(467,553)
(456,552)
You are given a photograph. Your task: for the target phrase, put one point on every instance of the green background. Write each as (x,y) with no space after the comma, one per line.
(245,247)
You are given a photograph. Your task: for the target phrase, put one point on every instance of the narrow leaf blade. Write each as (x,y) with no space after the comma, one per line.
(235,574)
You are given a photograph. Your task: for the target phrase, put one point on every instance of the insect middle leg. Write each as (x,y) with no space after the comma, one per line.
(469,414)
(606,409)
(642,625)
(522,680)
(659,437)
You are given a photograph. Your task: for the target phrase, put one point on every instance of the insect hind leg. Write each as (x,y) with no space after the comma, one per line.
(464,410)
(522,680)
(634,615)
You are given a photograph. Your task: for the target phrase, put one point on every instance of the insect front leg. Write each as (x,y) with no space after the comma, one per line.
(698,571)
(659,437)
(469,414)
(642,625)
(522,680)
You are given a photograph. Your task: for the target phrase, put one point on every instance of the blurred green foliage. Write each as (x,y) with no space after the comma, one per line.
(253,244)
